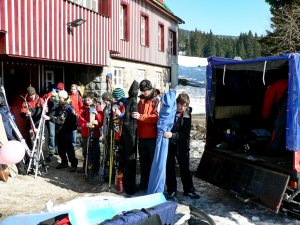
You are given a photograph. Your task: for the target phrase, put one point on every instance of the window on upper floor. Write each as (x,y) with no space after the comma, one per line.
(144,30)
(172,42)
(105,7)
(124,22)
(118,77)
(161,37)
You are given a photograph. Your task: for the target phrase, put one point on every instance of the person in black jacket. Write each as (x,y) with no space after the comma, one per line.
(65,120)
(179,147)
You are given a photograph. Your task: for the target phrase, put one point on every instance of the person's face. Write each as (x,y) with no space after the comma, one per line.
(32,96)
(88,101)
(106,102)
(181,107)
(61,100)
(146,93)
(73,89)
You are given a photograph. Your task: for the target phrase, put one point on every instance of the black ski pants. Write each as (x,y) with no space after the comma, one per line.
(146,148)
(66,148)
(183,159)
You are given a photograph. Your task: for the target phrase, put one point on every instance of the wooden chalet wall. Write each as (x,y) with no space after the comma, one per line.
(132,49)
(38,29)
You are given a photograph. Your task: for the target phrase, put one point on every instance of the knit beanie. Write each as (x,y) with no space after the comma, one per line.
(31,91)
(107,96)
(118,93)
(145,85)
(63,94)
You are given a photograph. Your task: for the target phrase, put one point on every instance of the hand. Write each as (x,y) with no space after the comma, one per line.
(168,134)
(88,125)
(46,117)
(135,115)
(28,113)
(118,112)
(95,122)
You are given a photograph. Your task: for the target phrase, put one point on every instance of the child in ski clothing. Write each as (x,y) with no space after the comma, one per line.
(33,108)
(52,104)
(118,110)
(65,120)
(87,126)
(108,100)
(179,147)
(147,116)
(77,103)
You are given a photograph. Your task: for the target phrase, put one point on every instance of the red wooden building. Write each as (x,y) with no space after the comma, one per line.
(43,42)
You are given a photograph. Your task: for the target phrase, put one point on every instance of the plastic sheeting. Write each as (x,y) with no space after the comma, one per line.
(165,123)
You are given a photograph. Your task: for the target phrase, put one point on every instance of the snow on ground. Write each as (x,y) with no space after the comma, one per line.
(191,61)
(197,97)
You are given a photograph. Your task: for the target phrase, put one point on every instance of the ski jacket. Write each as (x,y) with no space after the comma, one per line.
(273,97)
(84,118)
(63,115)
(181,136)
(35,107)
(148,109)
(76,102)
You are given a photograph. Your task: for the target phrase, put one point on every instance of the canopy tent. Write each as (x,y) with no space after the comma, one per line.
(265,64)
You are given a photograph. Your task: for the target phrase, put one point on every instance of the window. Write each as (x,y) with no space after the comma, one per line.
(172,42)
(49,78)
(140,75)
(118,77)
(144,30)
(105,8)
(124,23)
(157,82)
(89,4)
(161,37)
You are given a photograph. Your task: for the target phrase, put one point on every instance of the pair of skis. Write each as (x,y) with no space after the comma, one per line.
(37,158)
(89,158)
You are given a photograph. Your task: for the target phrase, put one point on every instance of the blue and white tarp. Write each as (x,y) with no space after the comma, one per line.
(165,123)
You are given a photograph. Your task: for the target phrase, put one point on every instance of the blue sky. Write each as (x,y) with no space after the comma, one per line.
(223,17)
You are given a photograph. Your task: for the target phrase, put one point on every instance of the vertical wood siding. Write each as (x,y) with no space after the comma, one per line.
(38,29)
(132,49)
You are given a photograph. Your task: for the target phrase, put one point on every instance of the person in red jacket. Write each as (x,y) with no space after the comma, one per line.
(275,105)
(87,126)
(147,116)
(77,103)
(31,109)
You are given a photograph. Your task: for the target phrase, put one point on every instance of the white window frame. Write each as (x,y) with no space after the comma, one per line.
(171,42)
(158,78)
(143,30)
(118,77)
(49,78)
(122,22)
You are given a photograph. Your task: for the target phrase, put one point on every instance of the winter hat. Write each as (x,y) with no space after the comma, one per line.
(118,93)
(109,75)
(31,91)
(107,96)
(63,94)
(145,85)
(60,86)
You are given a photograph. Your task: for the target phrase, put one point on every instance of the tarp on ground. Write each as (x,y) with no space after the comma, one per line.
(89,211)
(157,177)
